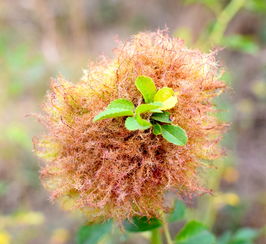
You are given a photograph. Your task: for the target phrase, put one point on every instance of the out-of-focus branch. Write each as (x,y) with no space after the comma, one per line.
(223,20)
(50,38)
(77,22)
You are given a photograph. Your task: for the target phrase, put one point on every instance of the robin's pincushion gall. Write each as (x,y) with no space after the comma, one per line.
(108,171)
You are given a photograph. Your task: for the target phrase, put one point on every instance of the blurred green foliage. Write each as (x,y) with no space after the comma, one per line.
(240,43)
(193,232)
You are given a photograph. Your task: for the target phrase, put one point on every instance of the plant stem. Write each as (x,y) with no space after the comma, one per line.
(223,20)
(208,210)
(166,231)
(156,236)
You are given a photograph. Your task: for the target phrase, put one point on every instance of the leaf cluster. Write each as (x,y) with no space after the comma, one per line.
(156,102)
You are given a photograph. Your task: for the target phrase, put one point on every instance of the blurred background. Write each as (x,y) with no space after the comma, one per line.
(40,39)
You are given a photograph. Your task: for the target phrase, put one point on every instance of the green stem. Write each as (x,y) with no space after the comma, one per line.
(223,20)
(156,236)
(208,210)
(166,231)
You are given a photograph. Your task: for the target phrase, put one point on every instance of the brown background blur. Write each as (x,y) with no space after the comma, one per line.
(40,39)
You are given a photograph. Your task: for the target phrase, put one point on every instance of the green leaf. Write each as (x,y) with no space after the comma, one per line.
(178,212)
(113,113)
(157,130)
(140,224)
(225,238)
(174,134)
(146,87)
(144,108)
(194,233)
(122,104)
(156,111)
(167,97)
(131,123)
(245,234)
(142,121)
(162,117)
(190,229)
(91,234)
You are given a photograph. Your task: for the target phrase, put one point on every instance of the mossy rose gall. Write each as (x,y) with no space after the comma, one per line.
(122,166)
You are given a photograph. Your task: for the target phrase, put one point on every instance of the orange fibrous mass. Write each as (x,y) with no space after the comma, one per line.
(105,170)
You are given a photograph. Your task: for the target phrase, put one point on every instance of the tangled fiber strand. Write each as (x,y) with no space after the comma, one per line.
(107,171)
